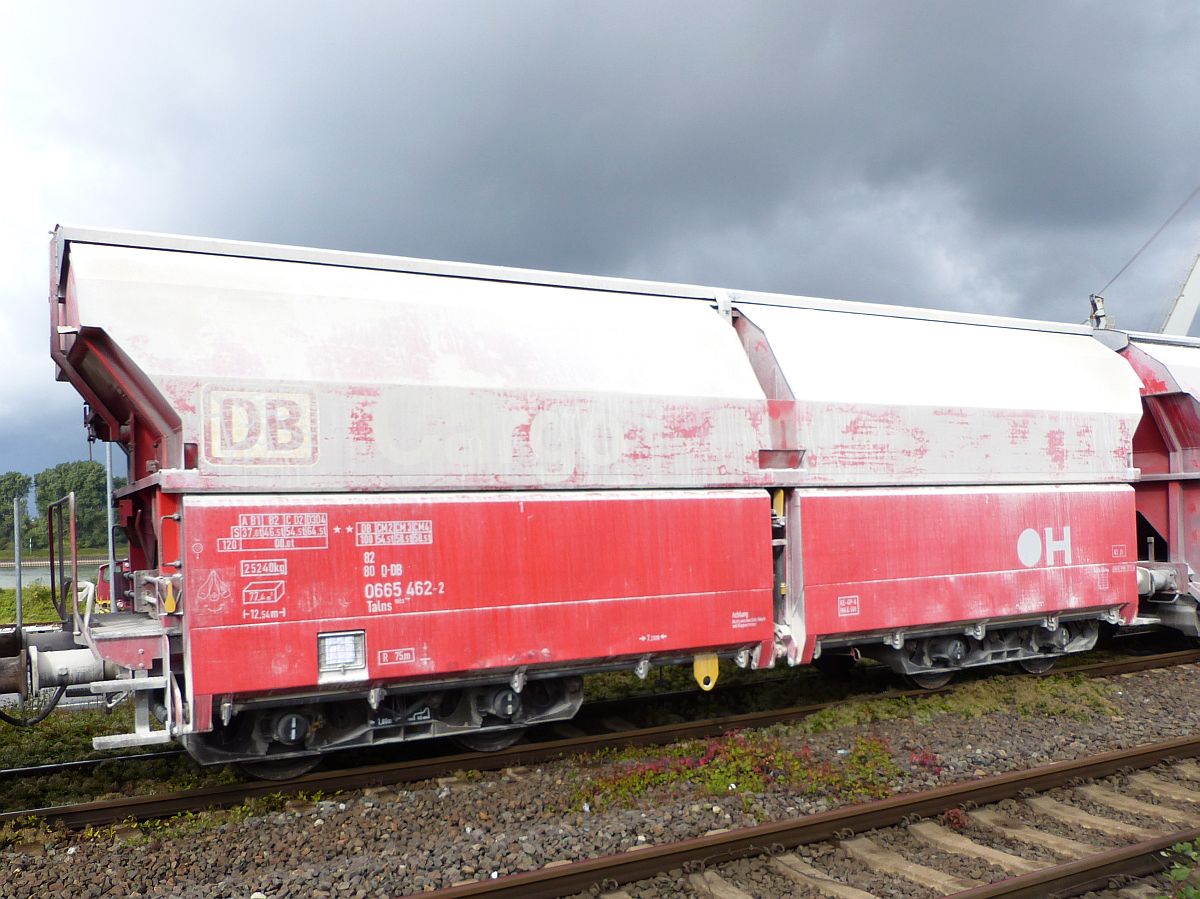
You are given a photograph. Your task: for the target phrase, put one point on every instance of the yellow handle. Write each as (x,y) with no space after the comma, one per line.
(705,668)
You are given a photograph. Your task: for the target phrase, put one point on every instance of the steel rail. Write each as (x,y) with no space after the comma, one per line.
(1134,664)
(548,883)
(1091,872)
(81,764)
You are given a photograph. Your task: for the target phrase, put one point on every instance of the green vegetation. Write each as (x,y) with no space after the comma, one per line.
(28,829)
(776,688)
(42,553)
(36,604)
(13,485)
(678,678)
(1056,696)
(66,735)
(748,762)
(742,763)
(114,779)
(185,823)
(86,479)
(31,829)
(1185,871)
(663,679)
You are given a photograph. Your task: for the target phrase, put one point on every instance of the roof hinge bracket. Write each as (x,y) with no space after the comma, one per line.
(724,303)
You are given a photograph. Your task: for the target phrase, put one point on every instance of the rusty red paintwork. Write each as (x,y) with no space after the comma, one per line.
(453,583)
(882,559)
(1166,446)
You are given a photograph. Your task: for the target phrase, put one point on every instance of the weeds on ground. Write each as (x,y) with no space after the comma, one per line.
(740,763)
(113,778)
(65,735)
(1069,696)
(956,819)
(31,829)
(1185,871)
(187,823)
(679,678)
(926,759)
(772,689)
(257,806)
(22,830)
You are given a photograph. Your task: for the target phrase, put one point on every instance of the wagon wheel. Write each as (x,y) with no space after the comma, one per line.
(280,769)
(489,741)
(930,680)
(1039,665)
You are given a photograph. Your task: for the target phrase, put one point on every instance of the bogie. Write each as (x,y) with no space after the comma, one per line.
(486,718)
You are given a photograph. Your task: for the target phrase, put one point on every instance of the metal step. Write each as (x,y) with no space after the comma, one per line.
(125,741)
(130,683)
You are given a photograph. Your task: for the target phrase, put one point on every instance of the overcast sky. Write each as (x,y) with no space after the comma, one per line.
(1000,157)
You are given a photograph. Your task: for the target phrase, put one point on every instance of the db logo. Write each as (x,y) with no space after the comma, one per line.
(251,427)
(1030,547)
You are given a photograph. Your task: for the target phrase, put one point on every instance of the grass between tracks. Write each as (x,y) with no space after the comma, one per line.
(748,762)
(1071,696)
(113,780)
(744,763)
(34,830)
(66,735)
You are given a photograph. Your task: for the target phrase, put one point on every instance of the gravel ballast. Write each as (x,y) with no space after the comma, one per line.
(390,841)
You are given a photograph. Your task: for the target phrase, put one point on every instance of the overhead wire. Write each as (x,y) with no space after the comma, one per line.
(1161,228)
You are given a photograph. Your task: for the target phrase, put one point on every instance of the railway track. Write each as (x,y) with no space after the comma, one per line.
(424,768)
(85,764)
(595,715)
(601,716)
(871,838)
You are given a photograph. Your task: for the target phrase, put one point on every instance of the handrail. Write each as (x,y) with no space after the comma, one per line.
(17,516)
(55,539)
(88,589)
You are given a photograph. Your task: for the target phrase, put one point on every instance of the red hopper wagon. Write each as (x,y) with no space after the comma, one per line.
(375,499)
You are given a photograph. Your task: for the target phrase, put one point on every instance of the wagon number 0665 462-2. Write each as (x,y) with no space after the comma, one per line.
(394,589)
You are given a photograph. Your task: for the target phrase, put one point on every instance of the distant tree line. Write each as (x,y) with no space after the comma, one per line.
(49,486)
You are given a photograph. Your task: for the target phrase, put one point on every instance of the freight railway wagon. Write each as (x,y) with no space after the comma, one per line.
(375,499)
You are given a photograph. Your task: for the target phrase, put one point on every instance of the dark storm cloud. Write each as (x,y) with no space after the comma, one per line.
(1000,157)
(43,437)
(598,138)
